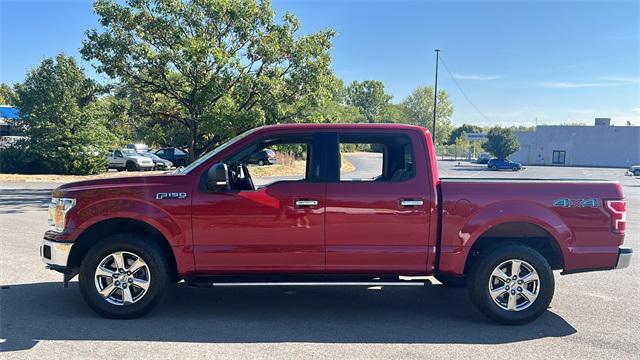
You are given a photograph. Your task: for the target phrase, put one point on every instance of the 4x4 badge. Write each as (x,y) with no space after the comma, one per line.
(569,203)
(171,195)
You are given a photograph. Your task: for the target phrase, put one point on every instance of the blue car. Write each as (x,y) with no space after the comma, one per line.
(504,164)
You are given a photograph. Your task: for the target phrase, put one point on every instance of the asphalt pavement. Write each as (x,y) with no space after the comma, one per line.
(593,315)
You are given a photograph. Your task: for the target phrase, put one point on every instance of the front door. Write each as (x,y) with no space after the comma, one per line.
(272,218)
(377,217)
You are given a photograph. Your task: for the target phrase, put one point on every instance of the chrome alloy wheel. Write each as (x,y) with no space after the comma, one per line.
(514,285)
(122,278)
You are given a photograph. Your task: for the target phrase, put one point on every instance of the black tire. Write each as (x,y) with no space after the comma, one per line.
(260,162)
(480,276)
(493,167)
(132,166)
(452,281)
(636,172)
(120,169)
(514,169)
(155,259)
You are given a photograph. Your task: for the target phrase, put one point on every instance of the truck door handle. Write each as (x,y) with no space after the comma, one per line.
(306,202)
(411,202)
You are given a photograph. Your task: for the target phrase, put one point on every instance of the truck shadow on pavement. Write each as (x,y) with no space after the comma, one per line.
(46,311)
(15,201)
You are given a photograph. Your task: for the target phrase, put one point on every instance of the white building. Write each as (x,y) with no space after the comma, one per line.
(598,145)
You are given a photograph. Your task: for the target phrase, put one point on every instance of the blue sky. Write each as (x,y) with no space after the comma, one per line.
(516,61)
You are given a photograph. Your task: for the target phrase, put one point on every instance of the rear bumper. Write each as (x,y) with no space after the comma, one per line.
(624,257)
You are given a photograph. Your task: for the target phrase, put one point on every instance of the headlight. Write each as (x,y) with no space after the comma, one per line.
(58,210)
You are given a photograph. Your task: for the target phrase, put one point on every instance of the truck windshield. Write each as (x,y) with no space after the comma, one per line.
(211,153)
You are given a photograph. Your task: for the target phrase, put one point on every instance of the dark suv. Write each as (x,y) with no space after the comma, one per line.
(263,157)
(175,155)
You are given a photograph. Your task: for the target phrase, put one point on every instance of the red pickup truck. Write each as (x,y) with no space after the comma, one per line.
(210,224)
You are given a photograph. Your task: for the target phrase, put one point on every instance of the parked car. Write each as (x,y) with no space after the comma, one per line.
(159,163)
(209,225)
(503,164)
(635,170)
(483,158)
(263,157)
(128,159)
(139,148)
(175,155)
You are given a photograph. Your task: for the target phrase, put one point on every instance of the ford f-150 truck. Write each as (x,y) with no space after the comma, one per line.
(210,224)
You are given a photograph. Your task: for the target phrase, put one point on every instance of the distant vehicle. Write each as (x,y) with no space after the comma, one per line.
(159,163)
(635,170)
(263,157)
(175,155)
(130,160)
(139,148)
(503,164)
(483,158)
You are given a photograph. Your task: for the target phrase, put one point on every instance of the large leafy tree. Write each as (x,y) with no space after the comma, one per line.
(369,98)
(213,67)
(501,142)
(8,95)
(418,108)
(461,130)
(65,128)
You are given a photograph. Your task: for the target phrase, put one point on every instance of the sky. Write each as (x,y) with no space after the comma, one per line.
(502,63)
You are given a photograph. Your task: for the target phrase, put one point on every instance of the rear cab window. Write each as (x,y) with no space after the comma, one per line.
(376,157)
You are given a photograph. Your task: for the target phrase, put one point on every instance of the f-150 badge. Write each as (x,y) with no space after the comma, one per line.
(171,195)
(569,203)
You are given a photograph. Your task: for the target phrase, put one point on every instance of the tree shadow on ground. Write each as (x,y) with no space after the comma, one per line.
(436,314)
(15,201)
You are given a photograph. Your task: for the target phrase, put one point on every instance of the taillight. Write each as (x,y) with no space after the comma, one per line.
(618,211)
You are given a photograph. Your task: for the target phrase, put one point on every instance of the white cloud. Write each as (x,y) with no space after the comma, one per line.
(478,77)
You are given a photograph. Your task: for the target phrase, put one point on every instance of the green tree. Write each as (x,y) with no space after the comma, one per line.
(63,121)
(8,95)
(215,67)
(369,98)
(501,142)
(419,111)
(464,129)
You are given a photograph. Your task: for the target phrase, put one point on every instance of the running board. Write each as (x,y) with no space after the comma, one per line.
(229,281)
(331,283)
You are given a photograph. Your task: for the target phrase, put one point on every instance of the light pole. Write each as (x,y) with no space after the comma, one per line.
(435,97)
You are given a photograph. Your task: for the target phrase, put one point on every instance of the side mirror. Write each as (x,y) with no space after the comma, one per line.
(218,177)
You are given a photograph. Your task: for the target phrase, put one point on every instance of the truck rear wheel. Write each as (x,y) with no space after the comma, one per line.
(131,166)
(512,285)
(124,276)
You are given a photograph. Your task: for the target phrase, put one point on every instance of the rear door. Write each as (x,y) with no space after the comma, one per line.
(377,218)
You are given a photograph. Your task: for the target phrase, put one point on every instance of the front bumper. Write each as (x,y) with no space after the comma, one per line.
(624,257)
(55,254)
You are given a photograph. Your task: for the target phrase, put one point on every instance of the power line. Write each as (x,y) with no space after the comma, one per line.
(462,91)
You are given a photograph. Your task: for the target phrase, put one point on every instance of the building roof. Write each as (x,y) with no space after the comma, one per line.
(8,112)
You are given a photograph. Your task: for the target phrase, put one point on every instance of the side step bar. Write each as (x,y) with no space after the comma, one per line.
(293,280)
(330,283)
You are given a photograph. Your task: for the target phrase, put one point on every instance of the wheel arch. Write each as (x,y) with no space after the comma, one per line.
(97,232)
(523,232)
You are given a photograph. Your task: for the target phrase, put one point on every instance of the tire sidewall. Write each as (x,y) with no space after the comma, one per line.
(479,290)
(148,251)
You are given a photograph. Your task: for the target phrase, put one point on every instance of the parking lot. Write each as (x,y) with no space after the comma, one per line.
(593,315)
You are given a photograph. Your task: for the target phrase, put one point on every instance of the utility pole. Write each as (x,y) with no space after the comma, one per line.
(435,97)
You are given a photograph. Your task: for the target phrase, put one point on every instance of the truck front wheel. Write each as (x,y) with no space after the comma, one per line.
(124,276)
(512,284)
